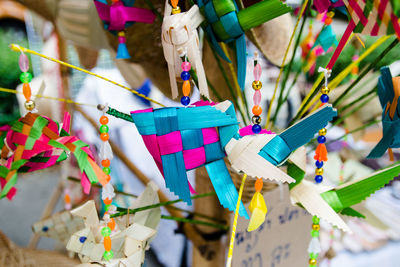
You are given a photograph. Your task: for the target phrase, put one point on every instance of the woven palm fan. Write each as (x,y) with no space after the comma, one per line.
(13,256)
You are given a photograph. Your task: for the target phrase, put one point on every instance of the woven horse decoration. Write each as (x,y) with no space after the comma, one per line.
(129,240)
(120,15)
(389,93)
(226,23)
(327,202)
(35,142)
(182,139)
(179,38)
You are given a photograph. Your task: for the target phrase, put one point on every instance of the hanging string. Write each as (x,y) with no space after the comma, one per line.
(303,9)
(232,242)
(18,48)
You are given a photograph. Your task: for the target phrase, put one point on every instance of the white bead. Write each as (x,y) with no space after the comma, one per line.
(314,246)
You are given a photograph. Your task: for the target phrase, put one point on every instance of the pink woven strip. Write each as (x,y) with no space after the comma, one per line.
(341,44)
(10,193)
(85,183)
(210,136)
(359,12)
(142,111)
(66,122)
(170,143)
(194,158)
(396,26)
(151,144)
(248,131)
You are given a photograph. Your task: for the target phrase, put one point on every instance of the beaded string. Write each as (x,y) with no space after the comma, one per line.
(257,85)
(315,246)
(185,76)
(108,189)
(26,78)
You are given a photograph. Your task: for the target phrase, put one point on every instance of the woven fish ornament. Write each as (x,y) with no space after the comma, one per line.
(226,23)
(35,142)
(120,15)
(389,93)
(182,139)
(179,39)
(370,17)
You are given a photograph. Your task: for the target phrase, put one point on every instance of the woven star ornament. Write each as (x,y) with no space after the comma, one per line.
(226,23)
(120,15)
(389,93)
(36,142)
(182,139)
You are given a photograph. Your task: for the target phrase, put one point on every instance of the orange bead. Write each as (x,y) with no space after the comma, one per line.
(104,136)
(103,120)
(107,201)
(174,3)
(328,20)
(105,163)
(107,243)
(186,88)
(67,199)
(26,90)
(111,224)
(108,178)
(259,184)
(257,110)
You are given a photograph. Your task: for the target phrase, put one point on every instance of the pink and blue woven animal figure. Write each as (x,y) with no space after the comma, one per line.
(181,139)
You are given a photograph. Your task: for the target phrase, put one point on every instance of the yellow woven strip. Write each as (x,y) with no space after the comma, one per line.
(18,48)
(339,78)
(48,97)
(303,9)
(232,241)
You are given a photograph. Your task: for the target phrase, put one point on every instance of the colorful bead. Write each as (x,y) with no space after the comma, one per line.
(313,255)
(257,85)
(186,88)
(106,170)
(108,178)
(319,171)
(322,131)
(258,185)
(186,66)
(111,224)
(316,227)
(105,163)
(185,75)
(256,128)
(103,129)
(103,120)
(45,229)
(321,139)
(257,110)
(319,164)
(318,179)
(324,98)
(325,90)
(29,105)
(25,77)
(256,119)
(104,136)
(315,220)
(257,72)
(108,255)
(185,100)
(82,239)
(107,243)
(26,90)
(107,201)
(257,98)
(176,10)
(314,233)
(312,261)
(106,231)
(23,62)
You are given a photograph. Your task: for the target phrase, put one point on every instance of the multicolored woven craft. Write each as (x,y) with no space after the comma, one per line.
(120,15)
(182,139)
(35,142)
(225,23)
(389,92)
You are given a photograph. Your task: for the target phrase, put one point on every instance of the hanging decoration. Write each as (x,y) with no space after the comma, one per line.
(388,92)
(120,15)
(180,43)
(181,139)
(327,37)
(323,6)
(226,23)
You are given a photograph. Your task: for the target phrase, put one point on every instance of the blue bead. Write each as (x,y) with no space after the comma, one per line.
(256,128)
(321,139)
(318,179)
(45,229)
(185,100)
(185,75)
(82,239)
(319,164)
(324,98)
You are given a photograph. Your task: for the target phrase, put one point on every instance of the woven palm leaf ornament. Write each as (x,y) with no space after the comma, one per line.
(36,142)
(180,40)
(226,23)
(182,139)
(388,92)
(120,15)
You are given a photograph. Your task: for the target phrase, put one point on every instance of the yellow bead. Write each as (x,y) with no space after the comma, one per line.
(331,14)
(29,105)
(176,10)
(319,171)
(325,90)
(257,85)
(312,262)
(316,227)
(322,131)
(121,33)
